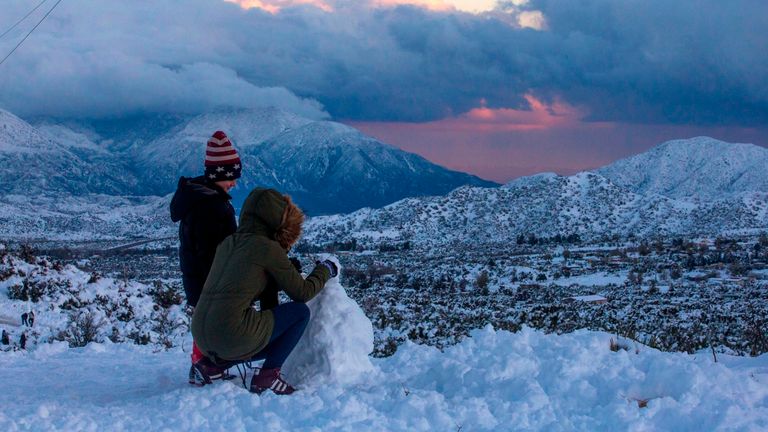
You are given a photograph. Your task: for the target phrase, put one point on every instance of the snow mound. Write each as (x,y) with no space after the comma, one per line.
(336,343)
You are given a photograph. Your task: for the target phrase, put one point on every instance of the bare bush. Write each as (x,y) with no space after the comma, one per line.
(166,295)
(83,328)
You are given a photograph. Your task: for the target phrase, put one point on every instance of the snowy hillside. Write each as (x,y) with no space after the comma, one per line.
(105,354)
(78,307)
(545,205)
(703,168)
(493,381)
(55,162)
(90,217)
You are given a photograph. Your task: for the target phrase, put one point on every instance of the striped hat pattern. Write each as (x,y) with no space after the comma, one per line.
(221,159)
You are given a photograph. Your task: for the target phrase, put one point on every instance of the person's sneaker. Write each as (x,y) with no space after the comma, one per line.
(272,380)
(205,372)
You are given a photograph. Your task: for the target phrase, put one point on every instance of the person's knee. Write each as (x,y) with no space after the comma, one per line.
(292,313)
(302,310)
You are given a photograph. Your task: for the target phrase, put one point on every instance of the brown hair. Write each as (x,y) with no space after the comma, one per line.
(290,227)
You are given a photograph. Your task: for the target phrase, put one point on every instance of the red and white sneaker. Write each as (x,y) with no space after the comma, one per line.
(272,380)
(205,372)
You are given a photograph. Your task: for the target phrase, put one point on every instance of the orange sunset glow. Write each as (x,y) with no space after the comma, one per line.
(540,116)
(274,6)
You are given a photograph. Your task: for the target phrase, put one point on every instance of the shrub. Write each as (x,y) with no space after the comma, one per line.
(83,328)
(30,290)
(481,282)
(27,253)
(95,276)
(166,295)
(165,327)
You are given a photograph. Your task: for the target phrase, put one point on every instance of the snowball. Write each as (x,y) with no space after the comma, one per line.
(335,346)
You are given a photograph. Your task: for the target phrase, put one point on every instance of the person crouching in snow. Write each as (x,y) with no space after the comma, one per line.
(202,205)
(249,263)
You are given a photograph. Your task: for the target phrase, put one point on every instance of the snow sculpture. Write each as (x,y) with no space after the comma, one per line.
(336,343)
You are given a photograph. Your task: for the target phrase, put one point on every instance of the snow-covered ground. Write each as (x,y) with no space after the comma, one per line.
(494,380)
(594,279)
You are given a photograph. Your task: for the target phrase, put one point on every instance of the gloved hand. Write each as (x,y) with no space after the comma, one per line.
(331,266)
(296,263)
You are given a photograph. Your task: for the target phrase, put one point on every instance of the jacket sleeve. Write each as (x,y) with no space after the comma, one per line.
(289,279)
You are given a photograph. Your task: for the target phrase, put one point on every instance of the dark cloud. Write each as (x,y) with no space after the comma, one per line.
(107,59)
(659,61)
(649,61)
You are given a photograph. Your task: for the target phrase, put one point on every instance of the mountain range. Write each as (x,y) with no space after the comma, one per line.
(325,166)
(717,188)
(70,180)
(701,168)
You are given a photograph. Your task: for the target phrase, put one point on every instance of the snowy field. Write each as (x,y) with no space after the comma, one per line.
(494,380)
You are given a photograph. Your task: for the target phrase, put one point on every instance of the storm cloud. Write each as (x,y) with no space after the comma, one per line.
(649,61)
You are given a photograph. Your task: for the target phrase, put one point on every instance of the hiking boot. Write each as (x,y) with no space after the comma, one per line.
(205,372)
(272,380)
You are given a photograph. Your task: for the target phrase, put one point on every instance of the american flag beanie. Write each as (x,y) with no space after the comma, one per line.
(221,159)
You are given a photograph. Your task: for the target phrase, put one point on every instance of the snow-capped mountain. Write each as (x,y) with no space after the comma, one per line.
(544,205)
(701,168)
(327,167)
(52,170)
(181,149)
(56,160)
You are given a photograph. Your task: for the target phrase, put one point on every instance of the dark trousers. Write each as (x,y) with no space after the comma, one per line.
(290,321)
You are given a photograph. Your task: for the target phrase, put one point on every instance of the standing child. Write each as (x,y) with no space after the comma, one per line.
(202,205)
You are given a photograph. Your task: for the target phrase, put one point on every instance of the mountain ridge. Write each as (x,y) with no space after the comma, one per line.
(586,204)
(327,167)
(699,168)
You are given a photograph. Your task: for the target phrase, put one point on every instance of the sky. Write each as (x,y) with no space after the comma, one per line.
(496,88)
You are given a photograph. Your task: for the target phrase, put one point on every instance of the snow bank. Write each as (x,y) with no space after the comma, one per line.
(494,380)
(336,343)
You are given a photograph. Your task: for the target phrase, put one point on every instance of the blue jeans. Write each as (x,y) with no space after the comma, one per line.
(290,321)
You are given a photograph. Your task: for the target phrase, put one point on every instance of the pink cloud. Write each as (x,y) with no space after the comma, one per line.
(502,144)
(436,5)
(540,116)
(274,6)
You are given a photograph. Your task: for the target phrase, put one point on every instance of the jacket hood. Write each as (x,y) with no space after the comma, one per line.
(262,212)
(190,192)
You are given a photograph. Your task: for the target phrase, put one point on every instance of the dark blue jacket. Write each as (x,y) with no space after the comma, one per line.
(207,218)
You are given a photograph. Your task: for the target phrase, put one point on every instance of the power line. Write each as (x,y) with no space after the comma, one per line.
(25,17)
(30,32)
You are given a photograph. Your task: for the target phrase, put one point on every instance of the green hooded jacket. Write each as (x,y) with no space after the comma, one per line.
(225,324)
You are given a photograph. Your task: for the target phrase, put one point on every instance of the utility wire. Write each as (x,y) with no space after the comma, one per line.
(25,17)
(30,32)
